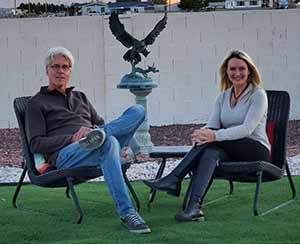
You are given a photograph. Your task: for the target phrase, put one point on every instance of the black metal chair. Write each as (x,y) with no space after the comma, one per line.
(254,171)
(57,177)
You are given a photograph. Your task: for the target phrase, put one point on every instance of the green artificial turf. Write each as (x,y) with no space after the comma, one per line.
(46,216)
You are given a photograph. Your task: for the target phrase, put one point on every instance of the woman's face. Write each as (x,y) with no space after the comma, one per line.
(237,71)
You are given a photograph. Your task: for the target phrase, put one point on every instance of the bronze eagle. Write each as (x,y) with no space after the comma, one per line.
(137,46)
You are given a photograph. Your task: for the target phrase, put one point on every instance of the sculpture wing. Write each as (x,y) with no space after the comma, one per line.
(150,38)
(118,30)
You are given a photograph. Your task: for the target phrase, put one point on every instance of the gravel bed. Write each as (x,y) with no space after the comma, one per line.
(171,135)
(168,135)
(141,171)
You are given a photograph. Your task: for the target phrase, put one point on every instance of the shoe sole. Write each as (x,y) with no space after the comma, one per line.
(93,140)
(143,231)
(140,231)
(196,219)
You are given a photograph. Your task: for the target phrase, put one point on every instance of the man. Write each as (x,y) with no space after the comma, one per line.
(62,125)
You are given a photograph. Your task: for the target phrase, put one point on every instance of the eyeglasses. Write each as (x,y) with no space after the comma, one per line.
(57,67)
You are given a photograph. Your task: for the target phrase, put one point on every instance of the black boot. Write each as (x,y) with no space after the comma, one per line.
(192,213)
(172,182)
(200,183)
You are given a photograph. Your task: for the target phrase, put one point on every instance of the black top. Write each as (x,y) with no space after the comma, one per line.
(52,118)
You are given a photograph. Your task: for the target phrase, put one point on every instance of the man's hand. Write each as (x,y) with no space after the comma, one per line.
(80,133)
(203,135)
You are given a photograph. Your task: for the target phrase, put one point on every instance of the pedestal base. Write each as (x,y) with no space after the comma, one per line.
(144,141)
(141,87)
(142,134)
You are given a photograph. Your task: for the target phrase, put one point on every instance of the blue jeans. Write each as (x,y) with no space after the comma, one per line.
(118,133)
(134,146)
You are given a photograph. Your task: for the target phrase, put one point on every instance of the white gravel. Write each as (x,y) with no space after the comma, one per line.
(141,171)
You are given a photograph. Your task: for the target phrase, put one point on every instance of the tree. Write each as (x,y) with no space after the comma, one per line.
(22,6)
(193,4)
(72,11)
(39,9)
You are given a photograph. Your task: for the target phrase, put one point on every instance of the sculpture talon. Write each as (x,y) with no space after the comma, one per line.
(144,72)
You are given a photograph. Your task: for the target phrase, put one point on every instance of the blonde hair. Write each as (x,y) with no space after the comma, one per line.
(254,75)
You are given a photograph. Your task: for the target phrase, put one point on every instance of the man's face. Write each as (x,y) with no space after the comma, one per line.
(59,72)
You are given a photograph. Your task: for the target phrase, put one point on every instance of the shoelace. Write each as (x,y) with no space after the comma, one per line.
(135,219)
(92,139)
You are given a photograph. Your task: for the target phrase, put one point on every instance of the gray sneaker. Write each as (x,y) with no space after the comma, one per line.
(135,224)
(93,139)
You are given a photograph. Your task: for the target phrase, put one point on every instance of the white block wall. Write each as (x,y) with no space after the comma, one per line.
(188,53)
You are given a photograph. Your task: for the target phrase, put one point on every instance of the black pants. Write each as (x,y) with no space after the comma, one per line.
(237,150)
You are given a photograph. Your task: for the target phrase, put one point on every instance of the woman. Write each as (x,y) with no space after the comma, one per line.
(235,131)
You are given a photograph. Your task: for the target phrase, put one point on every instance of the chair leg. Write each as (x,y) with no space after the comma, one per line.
(231,187)
(75,199)
(160,171)
(257,190)
(288,173)
(133,193)
(259,179)
(68,192)
(14,201)
(187,195)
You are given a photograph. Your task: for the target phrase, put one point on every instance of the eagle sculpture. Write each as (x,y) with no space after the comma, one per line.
(136,46)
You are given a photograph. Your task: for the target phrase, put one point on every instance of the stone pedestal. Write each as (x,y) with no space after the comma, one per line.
(141,87)
(142,134)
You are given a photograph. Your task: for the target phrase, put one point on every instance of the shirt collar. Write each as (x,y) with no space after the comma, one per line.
(44,90)
(249,89)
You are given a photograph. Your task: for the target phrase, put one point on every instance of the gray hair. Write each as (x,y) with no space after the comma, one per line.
(56,51)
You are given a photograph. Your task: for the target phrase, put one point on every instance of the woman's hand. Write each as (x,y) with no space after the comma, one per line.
(203,135)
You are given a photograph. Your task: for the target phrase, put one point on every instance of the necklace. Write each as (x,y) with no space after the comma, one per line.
(236,98)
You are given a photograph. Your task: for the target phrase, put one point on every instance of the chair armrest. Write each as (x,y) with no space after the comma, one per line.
(169,151)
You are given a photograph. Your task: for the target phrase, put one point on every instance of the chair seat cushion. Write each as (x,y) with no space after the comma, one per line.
(270,129)
(57,177)
(247,171)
